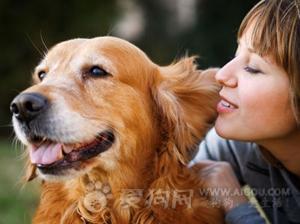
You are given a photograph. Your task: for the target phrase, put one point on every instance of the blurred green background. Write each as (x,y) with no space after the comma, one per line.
(164,29)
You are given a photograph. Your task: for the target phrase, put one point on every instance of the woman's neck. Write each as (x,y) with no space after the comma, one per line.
(286,150)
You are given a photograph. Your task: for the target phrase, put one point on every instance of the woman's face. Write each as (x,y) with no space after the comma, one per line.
(255,101)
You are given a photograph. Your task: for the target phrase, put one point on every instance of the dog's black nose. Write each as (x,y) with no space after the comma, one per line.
(27,106)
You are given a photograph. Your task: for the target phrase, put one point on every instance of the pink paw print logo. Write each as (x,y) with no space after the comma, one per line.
(97,196)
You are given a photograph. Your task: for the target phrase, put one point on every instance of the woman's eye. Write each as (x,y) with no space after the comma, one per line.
(42,75)
(252,70)
(96,71)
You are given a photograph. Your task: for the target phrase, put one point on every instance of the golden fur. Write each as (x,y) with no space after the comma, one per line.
(158,115)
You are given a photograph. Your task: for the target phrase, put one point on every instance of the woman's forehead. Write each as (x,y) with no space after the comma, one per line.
(246,42)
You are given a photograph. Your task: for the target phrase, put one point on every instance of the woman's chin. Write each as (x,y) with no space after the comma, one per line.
(227,130)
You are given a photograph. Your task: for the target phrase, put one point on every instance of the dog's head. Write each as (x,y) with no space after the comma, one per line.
(102,102)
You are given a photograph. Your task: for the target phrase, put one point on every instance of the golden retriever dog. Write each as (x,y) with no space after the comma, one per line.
(110,133)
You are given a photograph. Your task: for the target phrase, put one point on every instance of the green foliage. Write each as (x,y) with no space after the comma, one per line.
(17,202)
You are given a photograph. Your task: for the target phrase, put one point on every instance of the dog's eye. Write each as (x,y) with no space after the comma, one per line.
(96,71)
(42,75)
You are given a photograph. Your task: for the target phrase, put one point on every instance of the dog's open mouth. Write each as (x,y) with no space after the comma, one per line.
(49,156)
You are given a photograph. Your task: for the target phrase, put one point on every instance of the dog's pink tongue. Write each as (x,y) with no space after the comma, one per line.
(46,153)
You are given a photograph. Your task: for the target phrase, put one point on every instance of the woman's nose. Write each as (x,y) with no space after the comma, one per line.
(227,76)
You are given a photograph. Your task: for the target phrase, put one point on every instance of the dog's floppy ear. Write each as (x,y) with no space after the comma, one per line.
(186,101)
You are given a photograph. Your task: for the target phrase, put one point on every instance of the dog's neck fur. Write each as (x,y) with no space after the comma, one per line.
(125,183)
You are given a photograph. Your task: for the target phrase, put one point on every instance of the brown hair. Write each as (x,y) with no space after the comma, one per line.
(276,33)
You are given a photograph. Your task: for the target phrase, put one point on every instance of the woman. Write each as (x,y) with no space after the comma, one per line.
(257,134)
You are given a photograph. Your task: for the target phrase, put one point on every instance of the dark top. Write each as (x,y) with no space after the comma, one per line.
(276,189)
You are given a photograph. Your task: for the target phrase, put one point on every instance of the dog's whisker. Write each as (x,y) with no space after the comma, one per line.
(15,142)
(14,139)
(6,125)
(111,30)
(17,145)
(44,44)
(35,46)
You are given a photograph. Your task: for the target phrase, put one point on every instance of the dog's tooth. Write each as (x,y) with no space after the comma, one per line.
(67,148)
(63,151)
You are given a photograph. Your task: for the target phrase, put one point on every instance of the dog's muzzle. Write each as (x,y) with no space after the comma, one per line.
(50,154)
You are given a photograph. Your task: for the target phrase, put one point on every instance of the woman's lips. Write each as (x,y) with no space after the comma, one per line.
(225,106)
